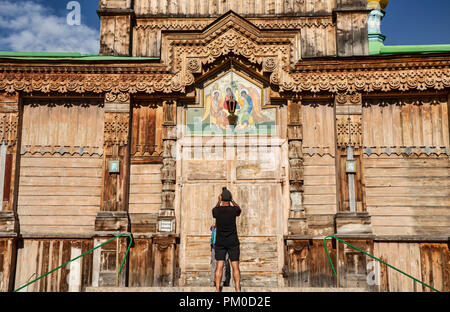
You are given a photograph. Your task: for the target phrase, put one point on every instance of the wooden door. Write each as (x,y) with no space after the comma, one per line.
(256,187)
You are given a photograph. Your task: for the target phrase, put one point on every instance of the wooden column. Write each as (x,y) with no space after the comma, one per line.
(352,217)
(9,162)
(166,218)
(113,218)
(297,219)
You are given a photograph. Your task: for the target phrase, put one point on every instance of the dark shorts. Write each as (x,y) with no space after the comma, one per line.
(233,253)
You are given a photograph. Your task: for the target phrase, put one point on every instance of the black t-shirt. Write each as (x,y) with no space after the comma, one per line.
(226,233)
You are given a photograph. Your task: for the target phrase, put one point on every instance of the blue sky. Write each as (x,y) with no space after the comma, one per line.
(40,25)
(417,22)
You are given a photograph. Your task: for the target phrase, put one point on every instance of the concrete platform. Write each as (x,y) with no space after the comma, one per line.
(225,289)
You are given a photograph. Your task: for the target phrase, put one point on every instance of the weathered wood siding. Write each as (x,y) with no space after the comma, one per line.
(427,262)
(115,35)
(406,122)
(59,195)
(147,131)
(7,263)
(353,266)
(308,265)
(408,196)
(62,126)
(37,257)
(406,165)
(60,167)
(243,7)
(319,166)
(141,264)
(145,196)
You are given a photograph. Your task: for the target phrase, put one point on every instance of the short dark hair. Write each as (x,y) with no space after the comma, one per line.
(226,194)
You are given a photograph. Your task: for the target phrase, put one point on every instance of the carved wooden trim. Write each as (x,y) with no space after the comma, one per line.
(349,131)
(168,169)
(276,51)
(360,76)
(8,128)
(116,129)
(146,23)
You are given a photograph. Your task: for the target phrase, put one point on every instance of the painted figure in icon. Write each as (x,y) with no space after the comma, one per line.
(216,110)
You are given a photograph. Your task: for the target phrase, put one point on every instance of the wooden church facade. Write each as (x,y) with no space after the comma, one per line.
(357,147)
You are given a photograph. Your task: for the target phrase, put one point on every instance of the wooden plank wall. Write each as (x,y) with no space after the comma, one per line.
(319,166)
(318,41)
(59,195)
(147,131)
(407,190)
(60,168)
(353,264)
(37,257)
(115,32)
(243,7)
(145,196)
(49,125)
(141,264)
(145,173)
(427,262)
(408,196)
(403,123)
(308,264)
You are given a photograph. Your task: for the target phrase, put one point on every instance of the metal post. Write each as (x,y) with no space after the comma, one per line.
(351,182)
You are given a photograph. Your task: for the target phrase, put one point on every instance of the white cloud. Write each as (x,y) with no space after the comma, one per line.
(30,26)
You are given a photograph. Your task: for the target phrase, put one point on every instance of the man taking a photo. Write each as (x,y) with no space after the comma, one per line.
(227,240)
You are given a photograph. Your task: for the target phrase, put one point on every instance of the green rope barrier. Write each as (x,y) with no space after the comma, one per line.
(121,266)
(334,271)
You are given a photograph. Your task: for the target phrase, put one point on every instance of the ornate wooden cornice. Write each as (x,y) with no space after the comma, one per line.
(275,52)
(362,77)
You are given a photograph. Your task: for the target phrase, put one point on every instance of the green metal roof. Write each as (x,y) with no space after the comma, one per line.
(69,56)
(378,48)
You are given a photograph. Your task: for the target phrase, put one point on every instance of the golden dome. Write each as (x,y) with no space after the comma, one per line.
(377,4)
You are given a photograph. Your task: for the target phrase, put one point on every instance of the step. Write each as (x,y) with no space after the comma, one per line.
(225,289)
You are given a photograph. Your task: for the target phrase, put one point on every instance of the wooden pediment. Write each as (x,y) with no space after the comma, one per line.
(186,52)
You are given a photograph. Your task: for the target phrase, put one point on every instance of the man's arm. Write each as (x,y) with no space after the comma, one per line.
(238,209)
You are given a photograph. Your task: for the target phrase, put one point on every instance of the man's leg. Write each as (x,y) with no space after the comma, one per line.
(226,271)
(219,272)
(213,267)
(236,275)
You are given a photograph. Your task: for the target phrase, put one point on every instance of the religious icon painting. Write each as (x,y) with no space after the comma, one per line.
(232,104)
